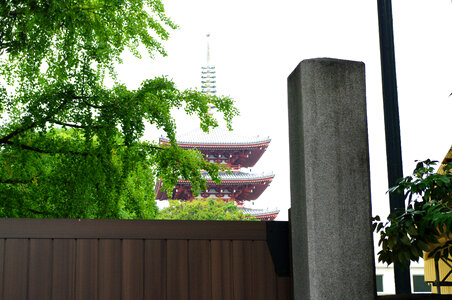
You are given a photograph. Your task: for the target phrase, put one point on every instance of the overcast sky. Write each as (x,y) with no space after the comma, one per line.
(255,45)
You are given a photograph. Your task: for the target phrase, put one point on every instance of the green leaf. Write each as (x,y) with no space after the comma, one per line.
(405,240)
(445,179)
(423,245)
(379,227)
(414,251)
(411,229)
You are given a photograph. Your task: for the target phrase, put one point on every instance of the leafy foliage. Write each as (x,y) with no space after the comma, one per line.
(426,225)
(69,145)
(209,209)
(57,184)
(68,34)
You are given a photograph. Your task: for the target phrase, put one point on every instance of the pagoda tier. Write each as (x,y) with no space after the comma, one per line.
(261,214)
(238,187)
(223,147)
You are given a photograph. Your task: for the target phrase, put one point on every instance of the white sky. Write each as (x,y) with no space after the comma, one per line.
(256,44)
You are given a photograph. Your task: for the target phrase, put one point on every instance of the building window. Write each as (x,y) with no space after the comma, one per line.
(419,285)
(379,283)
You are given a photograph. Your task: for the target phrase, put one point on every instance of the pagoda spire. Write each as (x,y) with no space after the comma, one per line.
(208,75)
(208,49)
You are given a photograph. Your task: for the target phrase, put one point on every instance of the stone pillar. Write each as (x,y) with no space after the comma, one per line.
(333,256)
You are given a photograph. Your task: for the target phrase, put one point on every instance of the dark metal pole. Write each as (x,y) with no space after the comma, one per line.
(392,126)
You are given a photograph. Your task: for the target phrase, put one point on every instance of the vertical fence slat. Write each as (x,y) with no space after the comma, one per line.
(199,276)
(177,270)
(86,269)
(16,269)
(249,269)
(271,289)
(238,270)
(221,254)
(242,266)
(2,264)
(110,269)
(132,269)
(63,283)
(284,287)
(264,280)
(259,280)
(155,270)
(40,269)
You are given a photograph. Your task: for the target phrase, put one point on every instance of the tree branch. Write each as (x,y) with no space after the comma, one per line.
(40,212)
(89,8)
(14,181)
(4,139)
(38,150)
(89,104)
(6,45)
(74,125)
(27,147)
(18,131)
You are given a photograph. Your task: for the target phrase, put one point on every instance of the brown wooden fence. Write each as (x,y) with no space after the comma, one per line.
(125,259)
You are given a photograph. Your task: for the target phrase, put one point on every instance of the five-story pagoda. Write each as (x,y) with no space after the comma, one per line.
(220,146)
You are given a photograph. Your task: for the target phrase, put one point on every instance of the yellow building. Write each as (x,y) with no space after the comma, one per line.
(444,266)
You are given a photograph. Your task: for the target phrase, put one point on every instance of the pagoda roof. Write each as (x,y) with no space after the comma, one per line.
(261,214)
(238,176)
(259,211)
(217,136)
(259,182)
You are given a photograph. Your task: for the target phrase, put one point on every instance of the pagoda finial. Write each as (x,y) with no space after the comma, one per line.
(208,76)
(208,49)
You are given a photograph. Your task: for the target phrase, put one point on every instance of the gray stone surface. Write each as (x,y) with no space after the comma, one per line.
(333,257)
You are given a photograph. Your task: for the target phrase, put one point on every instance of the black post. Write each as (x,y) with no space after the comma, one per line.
(392,126)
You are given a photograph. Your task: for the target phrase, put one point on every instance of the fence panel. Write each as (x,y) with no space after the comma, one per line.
(86,271)
(155,270)
(221,255)
(110,263)
(199,270)
(40,268)
(15,269)
(177,270)
(132,269)
(143,260)
(64,262)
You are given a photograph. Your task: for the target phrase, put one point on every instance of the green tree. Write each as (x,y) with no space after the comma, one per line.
(69,145)
(427,219)
(209,209)
(60,185)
